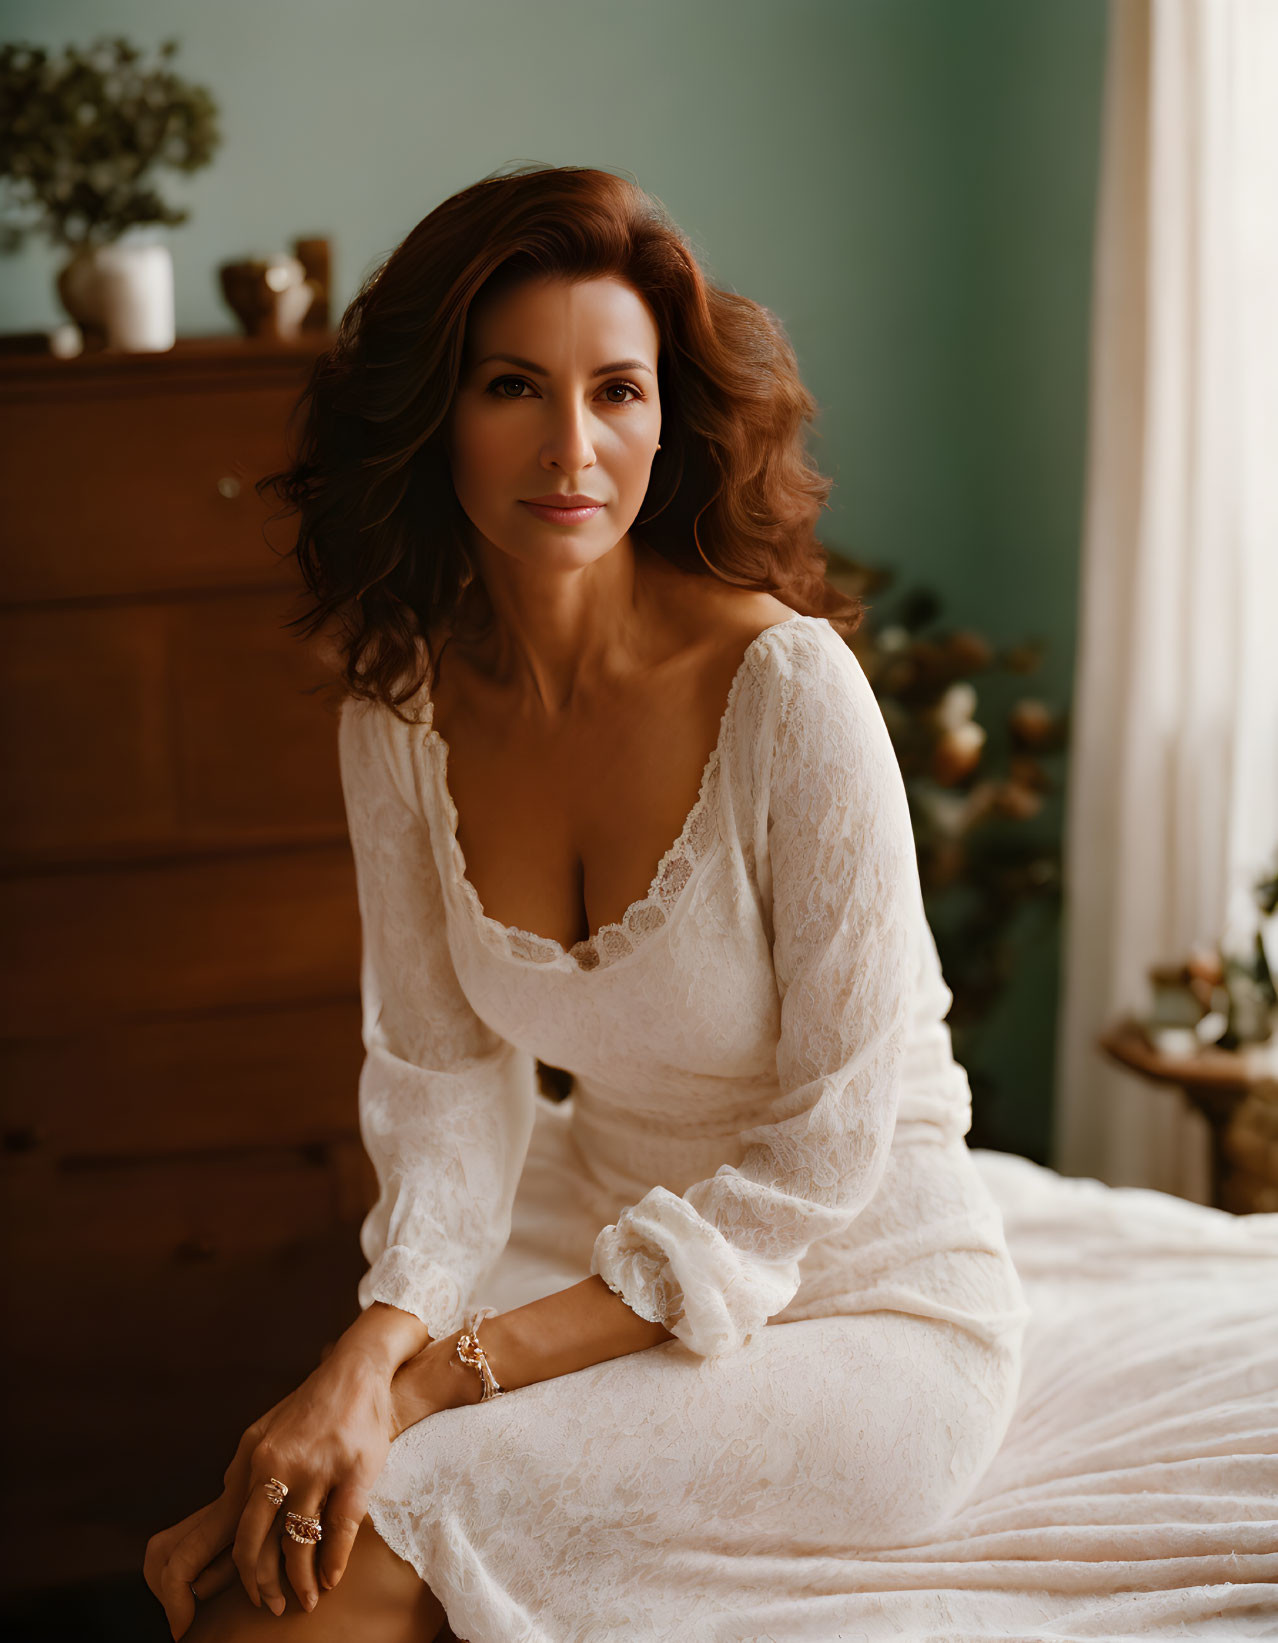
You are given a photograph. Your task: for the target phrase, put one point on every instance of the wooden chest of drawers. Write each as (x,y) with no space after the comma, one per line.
(183,1179)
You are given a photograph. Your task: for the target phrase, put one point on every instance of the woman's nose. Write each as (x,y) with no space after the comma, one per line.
(568,444)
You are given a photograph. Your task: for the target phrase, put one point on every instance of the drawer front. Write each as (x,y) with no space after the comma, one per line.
(88,947)
(142,493)
(164,727)
(243,1078)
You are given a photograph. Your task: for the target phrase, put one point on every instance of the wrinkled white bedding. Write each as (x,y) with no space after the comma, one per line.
(1136,1492)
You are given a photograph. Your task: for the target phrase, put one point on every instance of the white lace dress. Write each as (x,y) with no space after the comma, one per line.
(764,1149)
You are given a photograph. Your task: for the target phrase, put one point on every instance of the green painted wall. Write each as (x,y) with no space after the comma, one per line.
(909,184)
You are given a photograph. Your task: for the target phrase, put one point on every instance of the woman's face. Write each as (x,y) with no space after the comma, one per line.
(557,398)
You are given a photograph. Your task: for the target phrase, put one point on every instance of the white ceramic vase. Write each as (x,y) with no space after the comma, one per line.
(123,293)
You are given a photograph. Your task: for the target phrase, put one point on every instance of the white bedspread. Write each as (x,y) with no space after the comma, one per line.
(1136,1494)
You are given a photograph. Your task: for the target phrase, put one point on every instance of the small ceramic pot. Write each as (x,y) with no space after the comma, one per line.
(121,296)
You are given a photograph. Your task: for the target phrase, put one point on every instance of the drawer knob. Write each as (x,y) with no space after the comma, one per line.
(22,1138)
(229,486)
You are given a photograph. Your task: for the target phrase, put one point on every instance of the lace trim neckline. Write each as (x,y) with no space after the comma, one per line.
(651,912)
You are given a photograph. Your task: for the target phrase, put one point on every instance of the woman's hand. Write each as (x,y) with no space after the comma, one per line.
(327,1441)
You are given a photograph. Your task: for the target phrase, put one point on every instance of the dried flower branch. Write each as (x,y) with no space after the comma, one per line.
(970,795)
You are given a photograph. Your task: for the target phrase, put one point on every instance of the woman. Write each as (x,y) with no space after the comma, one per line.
(750,1297)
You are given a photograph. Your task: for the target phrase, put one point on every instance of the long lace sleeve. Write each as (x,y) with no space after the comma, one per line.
(446,1106)
(715,1264)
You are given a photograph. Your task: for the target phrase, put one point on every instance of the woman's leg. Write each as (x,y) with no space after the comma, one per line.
(380,1599)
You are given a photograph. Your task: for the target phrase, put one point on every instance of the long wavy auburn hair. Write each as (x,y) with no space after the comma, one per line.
(382,543)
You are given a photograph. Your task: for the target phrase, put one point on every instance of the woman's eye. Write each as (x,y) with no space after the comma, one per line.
(499,385)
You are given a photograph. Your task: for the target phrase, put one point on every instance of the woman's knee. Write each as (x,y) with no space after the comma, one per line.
(379,1599)
(939,1457)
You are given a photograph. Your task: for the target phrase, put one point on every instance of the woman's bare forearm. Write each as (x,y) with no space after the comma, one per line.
(570,1330)
(560,1333)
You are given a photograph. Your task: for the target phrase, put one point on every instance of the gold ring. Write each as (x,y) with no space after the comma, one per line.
(306,1531)
(275,1491)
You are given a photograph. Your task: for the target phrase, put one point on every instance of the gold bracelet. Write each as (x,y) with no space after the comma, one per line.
(471,1353)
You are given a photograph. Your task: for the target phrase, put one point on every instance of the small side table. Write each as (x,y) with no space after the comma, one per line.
(1225,1086)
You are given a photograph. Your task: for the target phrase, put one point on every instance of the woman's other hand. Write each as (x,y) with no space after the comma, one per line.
(192,1560)
(433,1380)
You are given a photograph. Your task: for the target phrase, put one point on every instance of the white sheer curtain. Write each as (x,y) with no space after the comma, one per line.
(1173,783)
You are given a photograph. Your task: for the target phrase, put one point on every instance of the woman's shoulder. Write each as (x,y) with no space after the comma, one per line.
(789,671)
(826,733)
(803,702)
(380,740)
(804,657)
(748,624)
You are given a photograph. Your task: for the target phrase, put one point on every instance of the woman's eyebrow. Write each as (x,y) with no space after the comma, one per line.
(540,370)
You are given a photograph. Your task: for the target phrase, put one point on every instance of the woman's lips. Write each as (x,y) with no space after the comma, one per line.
(562,516)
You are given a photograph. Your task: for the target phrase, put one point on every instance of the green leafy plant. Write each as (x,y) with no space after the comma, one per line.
(81,131)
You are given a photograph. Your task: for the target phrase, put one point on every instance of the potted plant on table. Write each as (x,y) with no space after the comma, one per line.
(80,133)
